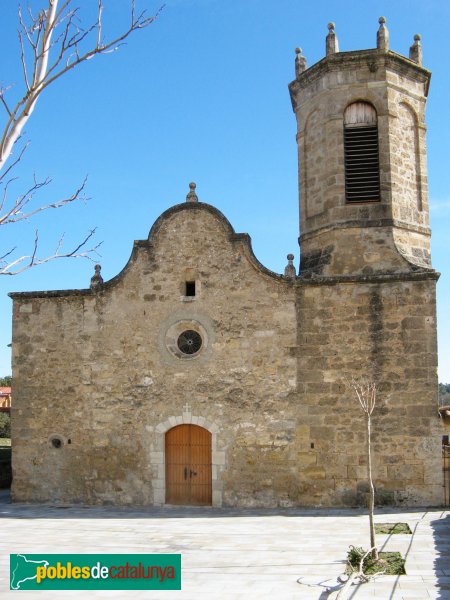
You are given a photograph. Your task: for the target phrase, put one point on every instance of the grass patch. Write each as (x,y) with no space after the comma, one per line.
(391,563)
(5,442)
(392,528)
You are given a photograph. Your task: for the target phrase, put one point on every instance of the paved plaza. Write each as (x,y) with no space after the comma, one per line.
(235,553)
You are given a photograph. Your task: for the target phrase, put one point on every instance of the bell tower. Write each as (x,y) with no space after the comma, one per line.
(362,160)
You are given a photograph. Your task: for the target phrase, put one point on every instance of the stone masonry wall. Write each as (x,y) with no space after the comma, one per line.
(95,369)
(384,331)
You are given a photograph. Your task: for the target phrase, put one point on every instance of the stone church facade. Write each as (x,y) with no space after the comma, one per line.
(198,376)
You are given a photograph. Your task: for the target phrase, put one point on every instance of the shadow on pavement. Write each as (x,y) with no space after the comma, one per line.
(54,511)
(441,538)
(12,510)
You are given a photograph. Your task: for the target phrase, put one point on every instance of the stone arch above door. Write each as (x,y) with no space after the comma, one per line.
(158,459)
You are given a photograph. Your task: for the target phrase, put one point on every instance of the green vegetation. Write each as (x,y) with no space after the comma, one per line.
(5,381)
(444,394)
(5,425)
(391,563)
(392,528)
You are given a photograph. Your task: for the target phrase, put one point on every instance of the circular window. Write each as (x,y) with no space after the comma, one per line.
(186,339)
(56,442)
(189,342)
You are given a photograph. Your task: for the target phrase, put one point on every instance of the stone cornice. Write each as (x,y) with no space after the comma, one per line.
(357,223)
(419,275)
(354,59)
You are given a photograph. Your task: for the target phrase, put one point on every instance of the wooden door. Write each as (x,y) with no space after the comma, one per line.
(188,465)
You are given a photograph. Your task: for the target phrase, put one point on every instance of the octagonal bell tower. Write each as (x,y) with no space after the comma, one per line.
(362,160)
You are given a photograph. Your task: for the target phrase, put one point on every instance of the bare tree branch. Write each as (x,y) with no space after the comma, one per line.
(7,254)
(24,27)
(11,166)
(22,58)
(52,42)
(16,213)
(39,34)
(366,392)
(344,592)
(2,94)
(26,262)
(99,23)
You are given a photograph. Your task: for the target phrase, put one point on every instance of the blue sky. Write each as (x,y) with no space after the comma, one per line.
(201,95)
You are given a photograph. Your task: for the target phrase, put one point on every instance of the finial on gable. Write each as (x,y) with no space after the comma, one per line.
(415,51)
(96,279)
(192,196)
(300,62)
(382,35)
(289,271)
(331,44)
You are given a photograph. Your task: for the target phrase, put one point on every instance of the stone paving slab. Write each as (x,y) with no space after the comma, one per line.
(231,553)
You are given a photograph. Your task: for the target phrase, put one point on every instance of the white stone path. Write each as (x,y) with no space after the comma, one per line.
(230,553)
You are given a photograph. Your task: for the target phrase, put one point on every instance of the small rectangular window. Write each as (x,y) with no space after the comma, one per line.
(190,288)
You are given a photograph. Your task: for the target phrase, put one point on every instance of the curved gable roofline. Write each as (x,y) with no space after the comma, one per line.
(243,238)
(189,206)
(150,242)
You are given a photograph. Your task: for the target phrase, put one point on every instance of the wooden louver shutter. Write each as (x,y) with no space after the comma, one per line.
(362,168)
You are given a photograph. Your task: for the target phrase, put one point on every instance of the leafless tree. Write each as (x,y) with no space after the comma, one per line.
(366,392)
(52,42)
(356,575)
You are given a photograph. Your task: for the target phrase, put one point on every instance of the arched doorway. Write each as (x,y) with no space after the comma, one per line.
(188,465)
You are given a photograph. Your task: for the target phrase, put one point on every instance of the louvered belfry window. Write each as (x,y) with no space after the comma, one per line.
(362,167)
